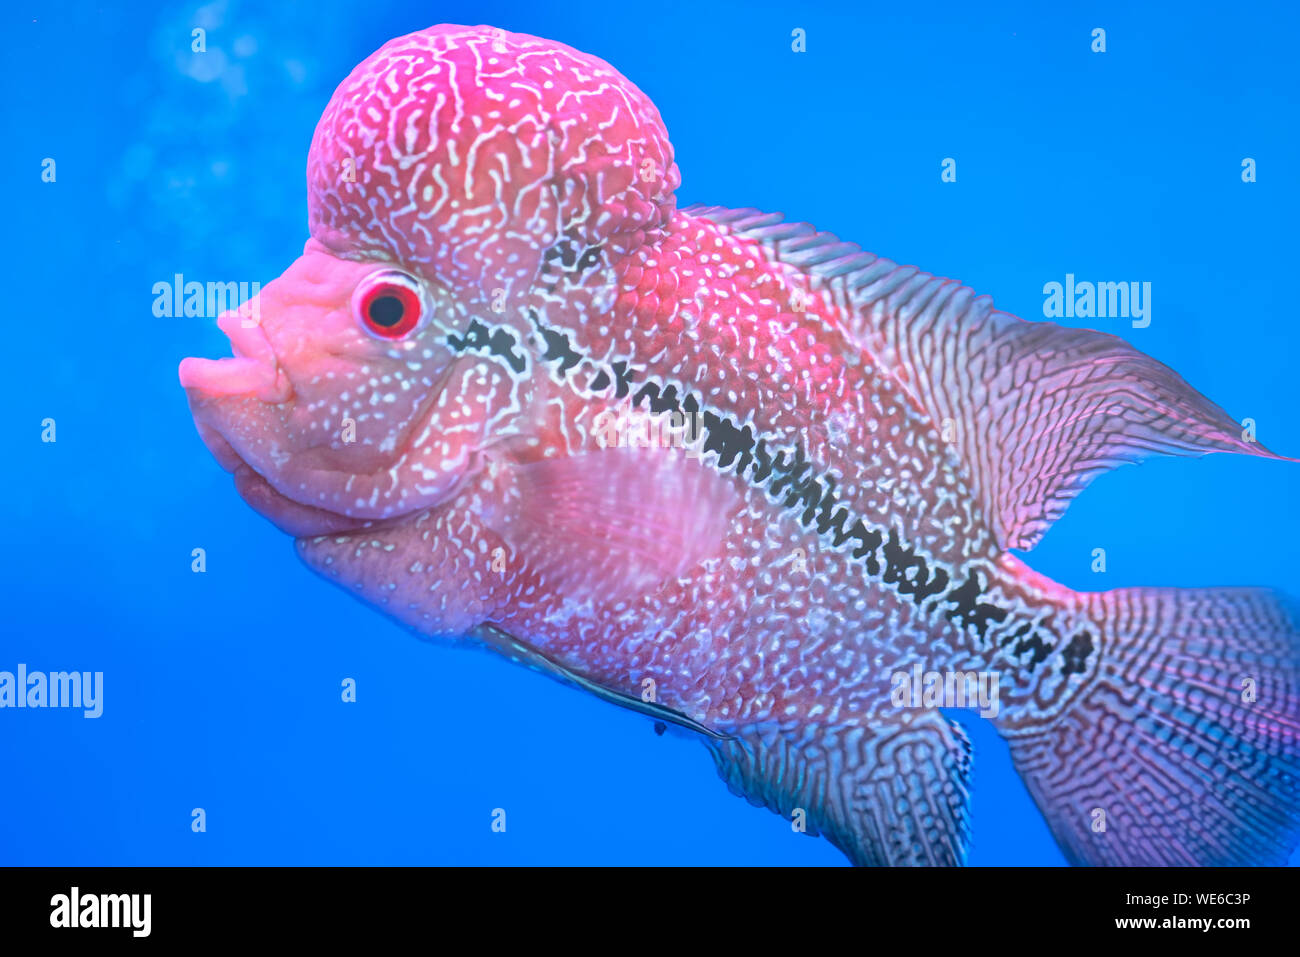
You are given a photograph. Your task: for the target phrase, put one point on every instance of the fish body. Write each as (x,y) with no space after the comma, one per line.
(735,473)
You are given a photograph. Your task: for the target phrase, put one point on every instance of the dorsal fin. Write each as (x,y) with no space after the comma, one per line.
(1035,410)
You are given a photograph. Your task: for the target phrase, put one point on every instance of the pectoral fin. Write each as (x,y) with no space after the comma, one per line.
(884,795)
(615,522)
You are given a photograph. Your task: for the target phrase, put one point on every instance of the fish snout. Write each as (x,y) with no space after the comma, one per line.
(252,370)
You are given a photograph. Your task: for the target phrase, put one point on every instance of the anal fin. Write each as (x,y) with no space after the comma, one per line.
(884,795)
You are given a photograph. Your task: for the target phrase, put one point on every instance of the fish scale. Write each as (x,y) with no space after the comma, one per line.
(824,540)
(789,349)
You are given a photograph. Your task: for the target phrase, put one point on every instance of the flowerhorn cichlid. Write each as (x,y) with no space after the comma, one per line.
(735,473)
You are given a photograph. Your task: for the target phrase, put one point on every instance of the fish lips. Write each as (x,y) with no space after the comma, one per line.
(212,414)
(251,383)
(253,372)
(286,514)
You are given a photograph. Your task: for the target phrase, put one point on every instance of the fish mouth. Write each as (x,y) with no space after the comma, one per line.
(245,408)
(253,370)
(244,393)
(285,513)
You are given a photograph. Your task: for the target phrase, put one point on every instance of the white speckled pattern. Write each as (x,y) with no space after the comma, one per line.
(865,443)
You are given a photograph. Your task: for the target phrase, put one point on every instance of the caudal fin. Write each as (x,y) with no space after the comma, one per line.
(1186,751)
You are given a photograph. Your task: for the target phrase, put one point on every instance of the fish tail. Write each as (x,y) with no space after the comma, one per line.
(1185,748)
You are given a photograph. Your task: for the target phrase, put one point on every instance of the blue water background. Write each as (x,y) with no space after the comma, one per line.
(223,689)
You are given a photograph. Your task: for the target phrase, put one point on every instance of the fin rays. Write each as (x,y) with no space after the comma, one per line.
(1037,410)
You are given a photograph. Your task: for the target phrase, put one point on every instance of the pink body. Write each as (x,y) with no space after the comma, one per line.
(464,475)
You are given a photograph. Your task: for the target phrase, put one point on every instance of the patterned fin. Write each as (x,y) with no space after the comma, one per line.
(1163,749)
(1036,411)
(614,522)
(882,795)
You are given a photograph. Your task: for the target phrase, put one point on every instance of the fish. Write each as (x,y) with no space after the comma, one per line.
(735,474)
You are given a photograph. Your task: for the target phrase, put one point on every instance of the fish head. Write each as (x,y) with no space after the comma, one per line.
(322,410)
(442,172)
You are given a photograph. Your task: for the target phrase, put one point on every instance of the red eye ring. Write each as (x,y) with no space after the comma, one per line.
(388,304)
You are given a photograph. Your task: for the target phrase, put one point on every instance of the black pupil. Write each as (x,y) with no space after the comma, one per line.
(386,311)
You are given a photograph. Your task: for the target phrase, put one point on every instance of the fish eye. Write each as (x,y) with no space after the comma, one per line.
(389,304)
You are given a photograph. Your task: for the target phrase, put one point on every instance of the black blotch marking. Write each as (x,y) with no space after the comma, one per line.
(722,436)
(1022,630)
(566,251)
(899,561)
(661,400)
(762,463)
(869,540)
(970,610)
(1034,644)
(622,379)
(793,471)
(559,347)
(1076,654)
(498,342)
(665,399)
(660,728)
(810,494)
